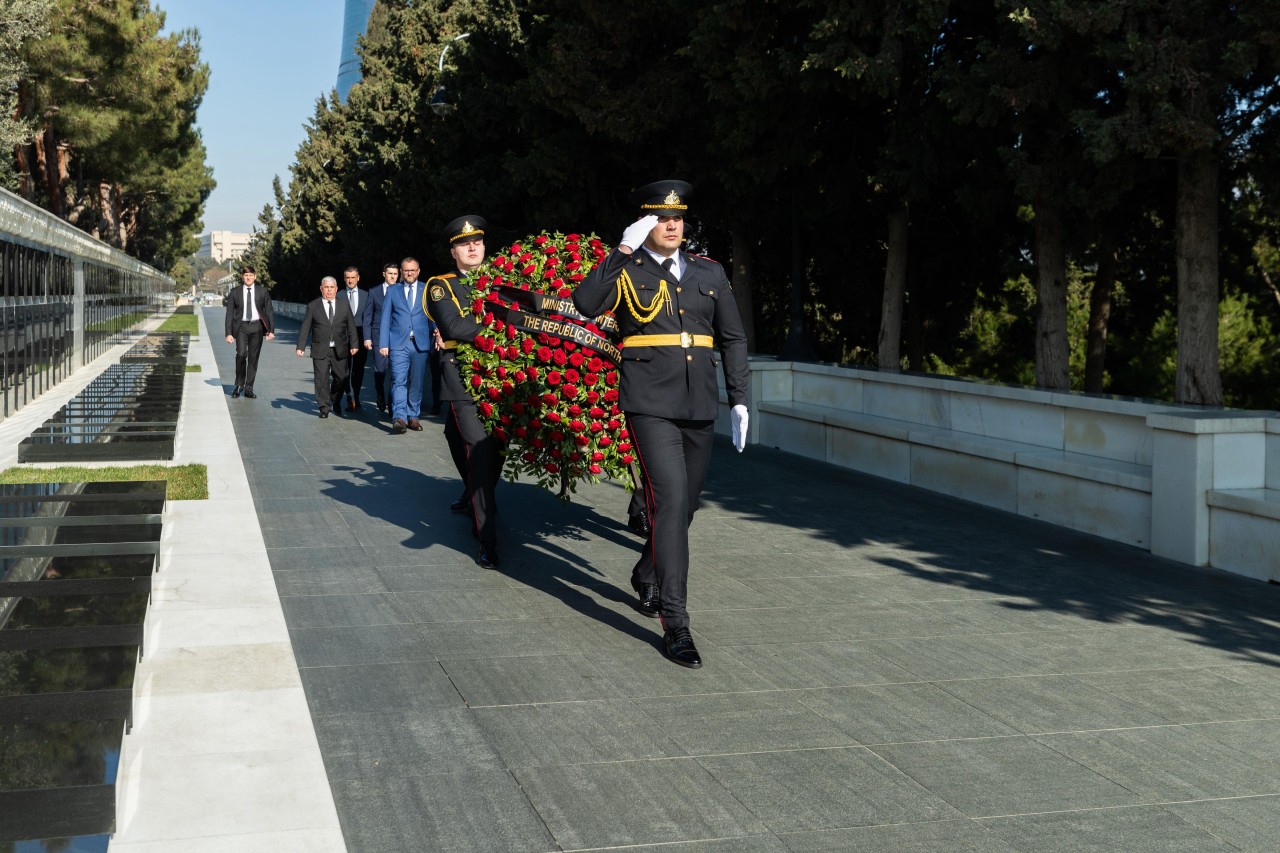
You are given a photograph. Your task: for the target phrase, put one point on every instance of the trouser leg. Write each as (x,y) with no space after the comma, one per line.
(320,374)
(674,455)
(482,458)
(251,336)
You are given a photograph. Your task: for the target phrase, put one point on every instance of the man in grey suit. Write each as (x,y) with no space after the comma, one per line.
(332,329)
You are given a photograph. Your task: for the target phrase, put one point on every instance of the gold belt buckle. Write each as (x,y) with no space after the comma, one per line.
(686,340)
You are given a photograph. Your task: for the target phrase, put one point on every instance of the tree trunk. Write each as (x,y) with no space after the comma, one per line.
(1095,360)
(1052,351)
(106,228)
(895,287)
(1196,247)
(742,284)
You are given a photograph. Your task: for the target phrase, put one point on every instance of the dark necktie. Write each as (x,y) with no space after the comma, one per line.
(328,309)
(668,264)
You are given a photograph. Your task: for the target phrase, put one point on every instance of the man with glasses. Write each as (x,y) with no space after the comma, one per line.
(406,335)
(372,325)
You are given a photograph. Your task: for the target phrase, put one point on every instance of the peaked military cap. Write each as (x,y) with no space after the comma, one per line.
(465,228)
(663,198)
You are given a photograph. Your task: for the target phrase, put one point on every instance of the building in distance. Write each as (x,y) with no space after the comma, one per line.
(223,245)
(355,20)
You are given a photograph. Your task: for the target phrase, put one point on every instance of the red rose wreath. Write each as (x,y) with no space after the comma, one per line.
(545,379)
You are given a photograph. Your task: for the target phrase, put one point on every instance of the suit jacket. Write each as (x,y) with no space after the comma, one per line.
(342,330)
(449,303)
(362,301)
(399,318)
(371,322)
(672,381)
(235,308)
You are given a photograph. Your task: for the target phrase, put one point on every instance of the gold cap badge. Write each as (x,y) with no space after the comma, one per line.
(672,198)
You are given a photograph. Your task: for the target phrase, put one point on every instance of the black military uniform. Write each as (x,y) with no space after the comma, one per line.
(447,300)
(677,325)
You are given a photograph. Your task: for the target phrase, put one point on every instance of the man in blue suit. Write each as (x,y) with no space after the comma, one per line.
(407,336)
(372,323)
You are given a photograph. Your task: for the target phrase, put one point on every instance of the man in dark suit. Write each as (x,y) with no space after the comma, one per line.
(332,330)
(674,310)
(407,335)
(372,324)
(249,319)
(356,299)
(474,451)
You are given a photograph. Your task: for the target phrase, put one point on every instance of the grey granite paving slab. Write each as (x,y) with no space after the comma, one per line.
(299,520)
(405,743)
(418,686)
(576,733)
(1211,694)
(338,611)
(643,670)
(361,644)
(835,663)
(1248,823)
(1169,763)
(494,638)
(318,558)
(478,811)
(742,722)
(946,836)
(1109,650)
(328,580)
(958,656)
(634,802)
(897,713)
(799,790)
(1004,776)
(1050,703)
(463,605)
(1257,738)
(1134,830)
(422,578)
(334,536)
(526,680)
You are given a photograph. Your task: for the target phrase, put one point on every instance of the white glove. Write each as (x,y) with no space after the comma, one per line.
(637,232)
(739,419)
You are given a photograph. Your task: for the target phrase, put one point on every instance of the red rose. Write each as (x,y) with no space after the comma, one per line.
(540,240)
(572,375)
(570,345)
(499,326)
(544,354)
(627,459)
(538,443)
(476,381)
(521,432)
(576,359)
(486,409)
(576,277)
(502,372)
(592,396)
(582,441)
(493,393)
(569,391)
(595,469)
(596,426)
(559,357)
(529,456)
(564,293)
(597,456)
(604,441)
(553,378)
(623,447)
(532,370)
(624,434)
(595,365)
(572,265)
(596,412)
(536,423)
(500,433)
(528,270)
(552,468)
(526,346)
(614,424)
(611,396)
(553,417)
(519,377)
(611,378)
(577,426)
(508,389)
(557,435)
(549,400)
(511,333)
(556,453)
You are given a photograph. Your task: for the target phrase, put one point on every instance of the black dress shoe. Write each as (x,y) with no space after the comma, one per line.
(398,426)
(248,392)
(460,506)
(639,524)
(237,391)
(680,648)
(382,405)
(649,600)
(324,414)
(488,558)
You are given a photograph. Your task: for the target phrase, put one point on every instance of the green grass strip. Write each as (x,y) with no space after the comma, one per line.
(188,323)
(184,482)
(193,368)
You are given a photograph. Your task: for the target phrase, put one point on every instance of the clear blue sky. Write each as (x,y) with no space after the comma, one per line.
(270,61)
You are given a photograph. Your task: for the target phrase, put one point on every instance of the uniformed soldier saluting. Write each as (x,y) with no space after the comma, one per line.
(447,301)
(678,320)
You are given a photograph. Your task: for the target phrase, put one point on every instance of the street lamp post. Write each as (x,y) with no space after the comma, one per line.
(439,103)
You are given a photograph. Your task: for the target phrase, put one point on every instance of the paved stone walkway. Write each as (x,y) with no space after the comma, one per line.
(886,669)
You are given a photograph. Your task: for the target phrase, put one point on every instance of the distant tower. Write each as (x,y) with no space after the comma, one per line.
(355,19)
